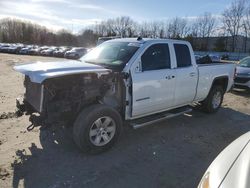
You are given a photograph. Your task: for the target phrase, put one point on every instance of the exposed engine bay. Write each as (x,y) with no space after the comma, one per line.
(59,100)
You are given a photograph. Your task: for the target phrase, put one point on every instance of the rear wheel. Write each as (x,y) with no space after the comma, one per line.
(97,128)
(214,100)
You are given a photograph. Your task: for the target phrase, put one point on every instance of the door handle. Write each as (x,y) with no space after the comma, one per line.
(192,74)
(170,77)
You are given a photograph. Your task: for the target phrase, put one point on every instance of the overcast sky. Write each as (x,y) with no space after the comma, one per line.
(76,14)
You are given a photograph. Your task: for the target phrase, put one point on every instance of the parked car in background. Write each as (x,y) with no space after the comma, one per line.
(5,47)
(75,53)
(197,57)
(230,59)
(225,57)
(34,51)
(61,51)
(205,60)
(49,51)
(40,49)
(242,79)
(15,49)
(231,168)
(25,50)
(214,57)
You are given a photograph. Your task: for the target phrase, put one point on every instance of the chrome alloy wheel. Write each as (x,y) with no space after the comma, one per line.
(216,100)
(102,131)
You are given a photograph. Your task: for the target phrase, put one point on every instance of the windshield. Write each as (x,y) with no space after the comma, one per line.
(111,53)
(245,62)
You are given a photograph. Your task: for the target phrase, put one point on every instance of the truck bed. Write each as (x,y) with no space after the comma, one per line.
(207,73)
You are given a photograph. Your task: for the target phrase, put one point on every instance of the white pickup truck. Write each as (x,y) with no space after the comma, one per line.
(138,81)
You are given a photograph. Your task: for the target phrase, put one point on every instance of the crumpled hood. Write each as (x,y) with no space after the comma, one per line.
(40,71)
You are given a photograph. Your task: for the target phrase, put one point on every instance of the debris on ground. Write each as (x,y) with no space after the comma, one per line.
(8,115)
(3,173)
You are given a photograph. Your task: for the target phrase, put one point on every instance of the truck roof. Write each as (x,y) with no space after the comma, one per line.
(144,40)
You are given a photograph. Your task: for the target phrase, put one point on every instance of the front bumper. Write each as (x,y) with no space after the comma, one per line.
(242,82)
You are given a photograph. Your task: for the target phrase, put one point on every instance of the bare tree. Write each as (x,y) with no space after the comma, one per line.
(100,29)
(87,38)
(204,27)
(177,28)
(121,25)
(235,21)
(206,24)
(232,19)
(246,26)
(152,29)
(65,37)
(143,30)
(194,29)
(247,21)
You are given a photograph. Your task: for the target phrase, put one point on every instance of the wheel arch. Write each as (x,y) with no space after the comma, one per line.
(221,81)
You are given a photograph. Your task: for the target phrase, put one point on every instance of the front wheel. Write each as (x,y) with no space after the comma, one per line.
(214,100)
(97,128)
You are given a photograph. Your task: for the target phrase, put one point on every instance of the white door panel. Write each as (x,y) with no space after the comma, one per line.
(186,75)
(153,91)
(186,82)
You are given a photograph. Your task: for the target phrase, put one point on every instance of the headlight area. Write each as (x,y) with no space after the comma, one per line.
(204,183)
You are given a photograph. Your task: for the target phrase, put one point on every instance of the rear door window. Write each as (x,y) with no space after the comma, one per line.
(183,56)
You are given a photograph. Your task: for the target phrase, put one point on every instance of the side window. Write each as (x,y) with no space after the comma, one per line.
(156,57)
(183,56)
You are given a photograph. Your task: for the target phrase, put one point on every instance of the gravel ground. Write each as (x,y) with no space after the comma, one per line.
(173,153)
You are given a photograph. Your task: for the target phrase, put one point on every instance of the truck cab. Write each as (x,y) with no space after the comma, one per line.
(163,75)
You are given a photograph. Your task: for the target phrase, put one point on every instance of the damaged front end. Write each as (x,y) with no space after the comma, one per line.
(55,96)
(58,100)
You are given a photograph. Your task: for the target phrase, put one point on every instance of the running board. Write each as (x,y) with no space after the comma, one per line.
(157,118)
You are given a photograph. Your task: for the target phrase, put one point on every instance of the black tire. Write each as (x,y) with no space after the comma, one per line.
(84,123)
(207,104)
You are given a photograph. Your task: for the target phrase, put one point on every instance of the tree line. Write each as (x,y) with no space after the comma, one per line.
(232,22)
